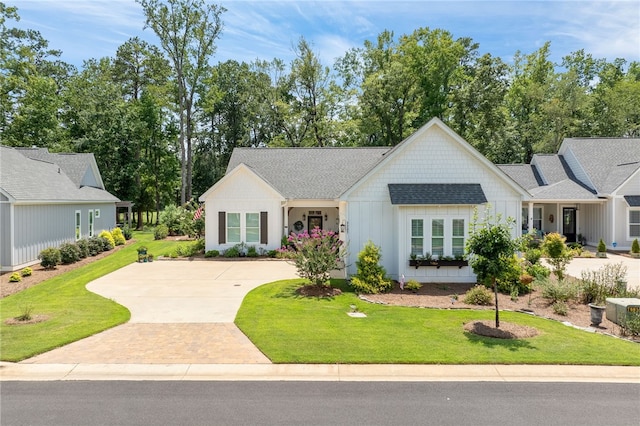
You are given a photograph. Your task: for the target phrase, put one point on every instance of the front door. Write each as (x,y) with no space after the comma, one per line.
(314,221)
(569,223)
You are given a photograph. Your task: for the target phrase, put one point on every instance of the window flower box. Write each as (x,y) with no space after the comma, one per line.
(437,263)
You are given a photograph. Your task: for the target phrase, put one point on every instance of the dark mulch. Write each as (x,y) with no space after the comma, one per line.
(318,291)
(506,331)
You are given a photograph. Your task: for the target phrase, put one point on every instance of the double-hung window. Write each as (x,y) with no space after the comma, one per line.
(78,225)
(417,237)
(457,237)
(252,227)
(91,225)
(634,223)
(233,228)
(437,237)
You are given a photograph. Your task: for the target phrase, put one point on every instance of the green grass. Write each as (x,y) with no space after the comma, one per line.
(291,329)
(74,312)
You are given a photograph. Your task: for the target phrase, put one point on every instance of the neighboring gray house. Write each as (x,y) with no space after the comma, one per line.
(590,189)
(416,197)
(47,199)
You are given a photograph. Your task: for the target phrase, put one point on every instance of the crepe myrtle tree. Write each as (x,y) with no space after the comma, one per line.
(316,254)
(489,249)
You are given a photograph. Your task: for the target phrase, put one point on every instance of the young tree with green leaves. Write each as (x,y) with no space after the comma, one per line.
(490,248)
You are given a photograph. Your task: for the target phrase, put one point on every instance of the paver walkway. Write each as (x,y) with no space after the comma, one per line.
(181,313)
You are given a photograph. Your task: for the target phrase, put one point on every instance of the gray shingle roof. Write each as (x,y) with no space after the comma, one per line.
(524,175)
(608,162)
(309,173)
(632,200)
(436,193)
(28,179)
(74,165)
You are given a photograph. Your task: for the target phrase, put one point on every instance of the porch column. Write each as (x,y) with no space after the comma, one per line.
(285,218)
(530,218)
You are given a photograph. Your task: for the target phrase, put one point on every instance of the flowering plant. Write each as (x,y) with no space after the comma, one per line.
(315,254)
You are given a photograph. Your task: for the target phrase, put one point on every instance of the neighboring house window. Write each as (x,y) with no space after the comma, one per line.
(537,218)
(97,213)
(634,223)
(78,225)
(233,227)
(252,227)
(457,237)
(437,237)
(417,237)
(90,223)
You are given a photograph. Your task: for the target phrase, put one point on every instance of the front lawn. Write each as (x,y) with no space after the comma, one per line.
(74,312)
(289,328)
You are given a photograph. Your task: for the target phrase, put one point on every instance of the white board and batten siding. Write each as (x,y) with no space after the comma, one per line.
(242,191)
(430,156)
(619,229)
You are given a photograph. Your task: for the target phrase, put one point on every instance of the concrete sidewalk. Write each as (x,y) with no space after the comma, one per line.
(315,372)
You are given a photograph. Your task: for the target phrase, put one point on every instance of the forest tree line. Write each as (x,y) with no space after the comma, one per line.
(163,120)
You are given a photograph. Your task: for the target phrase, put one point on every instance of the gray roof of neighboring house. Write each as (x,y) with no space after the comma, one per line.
(74,165)
(28,179)
(309,173)
(632,200)
(608,162)
(436,193)
(549,177)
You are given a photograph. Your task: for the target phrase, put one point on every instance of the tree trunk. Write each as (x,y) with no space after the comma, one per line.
(495,292)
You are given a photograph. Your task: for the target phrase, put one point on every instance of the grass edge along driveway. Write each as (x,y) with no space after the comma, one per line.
(73,311)
(289,328)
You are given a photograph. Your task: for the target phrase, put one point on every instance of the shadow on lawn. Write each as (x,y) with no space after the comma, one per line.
(492,342)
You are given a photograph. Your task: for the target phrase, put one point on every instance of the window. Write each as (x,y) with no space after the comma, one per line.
(634,223)
(78,226)
(233,227)
(252,227)
(457,239)
(417,237)
(437,237)
(97,213)
(90,223)
(537,218)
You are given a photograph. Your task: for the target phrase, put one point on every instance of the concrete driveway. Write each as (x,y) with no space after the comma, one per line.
(188,291)
(182,312)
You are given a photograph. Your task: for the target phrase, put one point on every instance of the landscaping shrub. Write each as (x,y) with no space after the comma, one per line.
(533,255)
(252,251)
(95,245)
(558,254)
(478,295)
(510,278)
(635,246)
(596,286)
(177,219)
(49,258)
(109,244)
(212,253)
(83,248)
(232,252)
(561,308)
(69,253)
(559,291)
(371,277)
(272,253)
(26,272)
(161,232)
(413,285)
(538,271)
(630,324)
(118,237)
(602,247)
(315,254)
(15,278)
(127,232)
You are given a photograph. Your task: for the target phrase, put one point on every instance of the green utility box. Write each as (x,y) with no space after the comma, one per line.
(620,307)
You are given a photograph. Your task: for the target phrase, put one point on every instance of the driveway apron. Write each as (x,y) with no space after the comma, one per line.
(182,312)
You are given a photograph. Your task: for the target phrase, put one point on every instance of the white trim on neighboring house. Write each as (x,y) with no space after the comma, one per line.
(97,214)
(91,222)
(77,224)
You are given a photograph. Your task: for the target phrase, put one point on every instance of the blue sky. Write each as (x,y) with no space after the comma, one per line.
(84,29)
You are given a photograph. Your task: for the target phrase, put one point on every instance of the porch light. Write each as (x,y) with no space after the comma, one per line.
(342,227)
(326,217)
(304,216)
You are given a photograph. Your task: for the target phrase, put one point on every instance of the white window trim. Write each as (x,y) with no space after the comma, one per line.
(448,232)
(629,223)
(243,228)
(77,225)
(92,223)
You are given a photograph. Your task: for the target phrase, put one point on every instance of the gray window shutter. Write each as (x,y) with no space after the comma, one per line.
(222,227)
(264,228)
